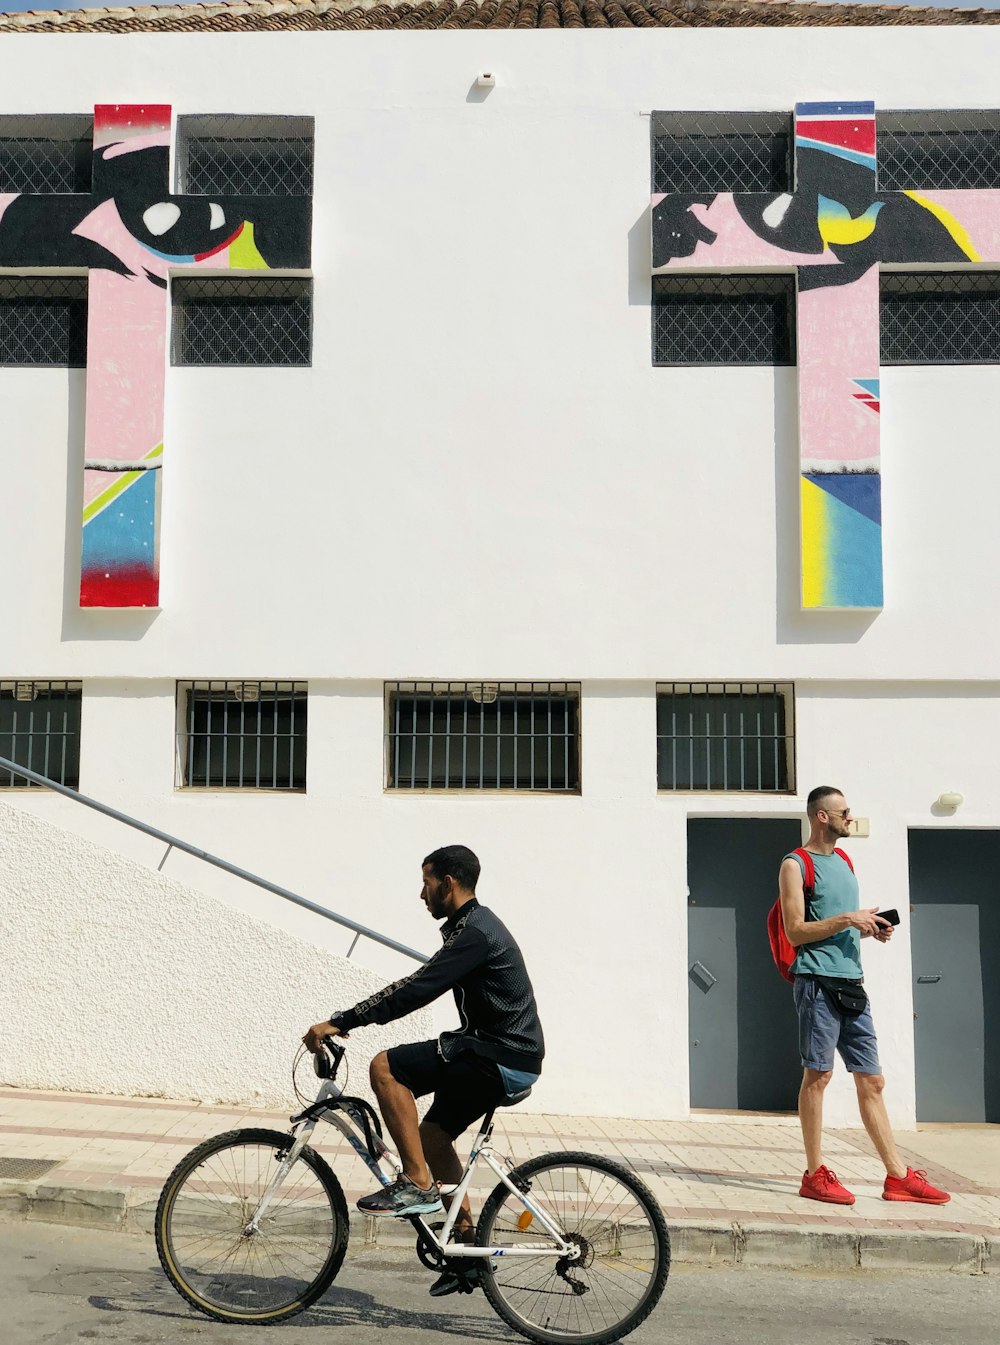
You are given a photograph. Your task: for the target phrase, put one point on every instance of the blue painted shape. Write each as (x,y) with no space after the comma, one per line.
(858,490)
(838,151)
(121,536)
(865,109)
(869,385)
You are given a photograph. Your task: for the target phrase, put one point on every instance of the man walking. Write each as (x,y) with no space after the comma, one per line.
(832,1008)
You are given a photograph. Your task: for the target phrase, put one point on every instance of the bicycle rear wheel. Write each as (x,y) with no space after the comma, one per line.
(202,1216)
(614,1220)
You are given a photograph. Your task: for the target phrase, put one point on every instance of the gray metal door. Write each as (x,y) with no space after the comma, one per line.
(955,939)
(743,1035)
(712,1006)
(948,1014)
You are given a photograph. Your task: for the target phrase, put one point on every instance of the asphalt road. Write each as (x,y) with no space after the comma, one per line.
(61,1286)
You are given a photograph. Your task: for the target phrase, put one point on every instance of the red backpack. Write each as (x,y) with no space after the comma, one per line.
(782,951)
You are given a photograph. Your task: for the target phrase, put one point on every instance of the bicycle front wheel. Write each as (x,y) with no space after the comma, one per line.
(273,1271)
(623,1259)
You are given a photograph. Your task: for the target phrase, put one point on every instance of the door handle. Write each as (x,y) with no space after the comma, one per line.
(929,980)
(701,975)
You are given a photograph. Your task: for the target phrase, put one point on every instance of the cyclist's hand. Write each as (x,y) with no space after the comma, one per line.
(313,1039)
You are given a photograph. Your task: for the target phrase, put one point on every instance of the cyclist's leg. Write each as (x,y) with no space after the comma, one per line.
(445,1164)
(397,1104)
(468,1087)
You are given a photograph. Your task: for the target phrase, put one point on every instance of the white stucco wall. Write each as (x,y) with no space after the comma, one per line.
(118,980)
(499,485)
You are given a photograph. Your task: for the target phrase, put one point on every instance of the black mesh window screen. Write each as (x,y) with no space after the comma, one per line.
(483,735)
(721,319)
(43,321)
(721,151)
(241,735)
(242,320)
(942,149)
(245,156)
(939,317)
(46,154)
(40,729)
(725,737)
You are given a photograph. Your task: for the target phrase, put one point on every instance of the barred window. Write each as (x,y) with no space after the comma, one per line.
(721,151)
(245,155)
(43,321)
(42,154)
(242,320)
(40,730)
(723,319)
(939,317)
(483,735)
(726,736)
(943,149)
(241,735)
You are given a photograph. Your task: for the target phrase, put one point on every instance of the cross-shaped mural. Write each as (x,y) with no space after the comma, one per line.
(130,233)
(835,228)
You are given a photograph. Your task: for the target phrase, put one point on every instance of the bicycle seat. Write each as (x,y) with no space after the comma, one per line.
(512,1099)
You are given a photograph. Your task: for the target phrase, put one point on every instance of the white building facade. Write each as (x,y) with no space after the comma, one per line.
(481,492)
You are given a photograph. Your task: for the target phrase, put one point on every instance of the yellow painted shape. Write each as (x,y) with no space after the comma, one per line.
(106,497)
(815,530)
(243,254)
(958,231)
(838,225)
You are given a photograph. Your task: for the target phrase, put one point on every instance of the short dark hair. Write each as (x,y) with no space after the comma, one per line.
(816,796)
(455,861)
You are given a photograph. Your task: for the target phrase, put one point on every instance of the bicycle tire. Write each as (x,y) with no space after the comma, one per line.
(547,1310)
(188,1219)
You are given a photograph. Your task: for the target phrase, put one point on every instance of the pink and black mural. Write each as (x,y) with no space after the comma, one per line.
(130,232)
(835,228)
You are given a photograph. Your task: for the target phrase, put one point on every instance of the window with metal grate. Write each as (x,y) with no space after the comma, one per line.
(721,151)
(242,320)
(42,154)
(245,155)
(40,730)
(483,735)
(943,149)
(939,317)
(43,321)
(727,737)
(241,735)
(724,319)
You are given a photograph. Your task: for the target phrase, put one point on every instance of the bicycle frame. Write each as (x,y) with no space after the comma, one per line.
(343,1112)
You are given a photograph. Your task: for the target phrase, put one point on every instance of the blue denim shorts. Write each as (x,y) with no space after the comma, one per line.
(823,1030)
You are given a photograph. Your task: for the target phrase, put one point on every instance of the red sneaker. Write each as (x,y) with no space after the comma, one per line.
(914,1186)
(823,1185)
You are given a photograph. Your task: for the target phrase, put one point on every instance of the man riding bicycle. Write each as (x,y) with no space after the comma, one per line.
(496,1053)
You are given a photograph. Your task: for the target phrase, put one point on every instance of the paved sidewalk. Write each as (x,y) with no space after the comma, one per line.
(728,1185)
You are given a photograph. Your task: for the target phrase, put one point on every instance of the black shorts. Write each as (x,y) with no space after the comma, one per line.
(464,1088)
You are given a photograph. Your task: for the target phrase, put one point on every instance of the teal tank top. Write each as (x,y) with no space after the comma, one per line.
(836,892)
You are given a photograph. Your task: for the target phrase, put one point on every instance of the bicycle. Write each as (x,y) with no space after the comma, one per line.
(252,1226)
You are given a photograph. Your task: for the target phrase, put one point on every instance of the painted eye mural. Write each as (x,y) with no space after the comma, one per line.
(835,228)
(129,232)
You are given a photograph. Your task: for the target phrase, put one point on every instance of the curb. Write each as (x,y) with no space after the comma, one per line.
(132,1210)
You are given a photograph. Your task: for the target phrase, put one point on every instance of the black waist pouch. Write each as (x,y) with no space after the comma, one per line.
(847,996)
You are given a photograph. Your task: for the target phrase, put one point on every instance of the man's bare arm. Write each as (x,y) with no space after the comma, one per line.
(798,929)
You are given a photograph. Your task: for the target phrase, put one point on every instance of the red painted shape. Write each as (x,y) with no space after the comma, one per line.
(200,256)
(133,587)
(867,400)
(857,133)
(132,117)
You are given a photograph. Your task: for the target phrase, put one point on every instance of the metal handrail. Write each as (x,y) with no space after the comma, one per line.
(177,844)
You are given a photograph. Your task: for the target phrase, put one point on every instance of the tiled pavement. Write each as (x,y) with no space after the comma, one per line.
(710,1172)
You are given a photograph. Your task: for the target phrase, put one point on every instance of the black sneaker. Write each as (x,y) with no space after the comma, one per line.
(400,1199)
(457,1281)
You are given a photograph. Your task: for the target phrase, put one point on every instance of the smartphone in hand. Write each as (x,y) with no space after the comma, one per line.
(891,916)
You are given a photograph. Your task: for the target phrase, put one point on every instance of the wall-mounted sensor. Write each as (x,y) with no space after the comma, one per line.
(486,80)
